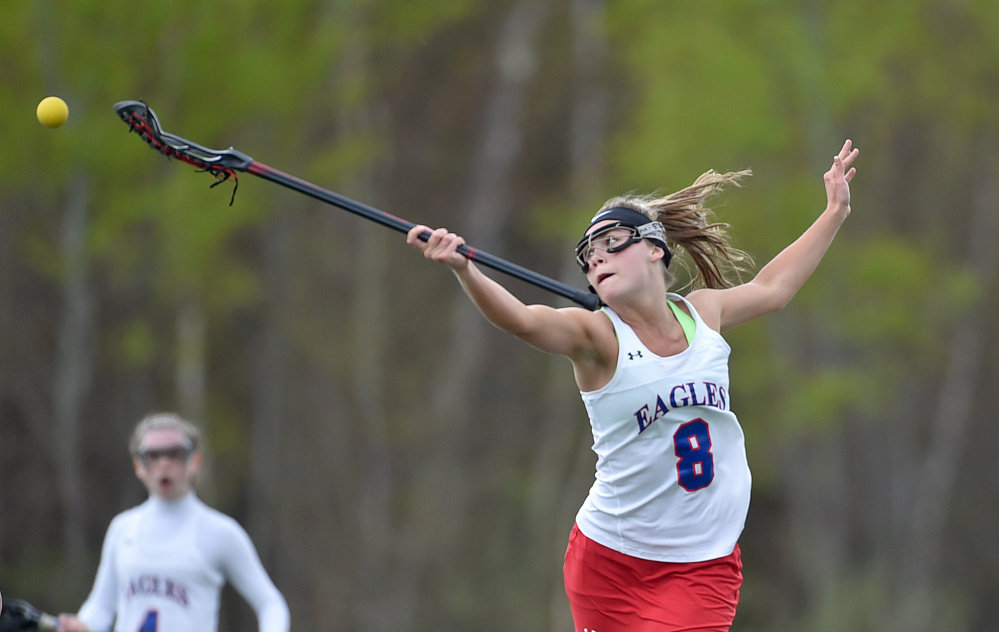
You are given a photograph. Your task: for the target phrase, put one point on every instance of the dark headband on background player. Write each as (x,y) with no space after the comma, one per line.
(642,227)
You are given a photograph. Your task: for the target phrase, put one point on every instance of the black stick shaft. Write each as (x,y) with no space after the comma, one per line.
(585,299)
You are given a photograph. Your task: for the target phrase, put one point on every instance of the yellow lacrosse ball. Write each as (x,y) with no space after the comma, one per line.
(52,112)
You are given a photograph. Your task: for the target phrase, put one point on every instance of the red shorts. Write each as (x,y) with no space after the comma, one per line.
(613,592)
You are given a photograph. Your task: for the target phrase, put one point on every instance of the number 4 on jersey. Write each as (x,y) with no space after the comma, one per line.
(149,625)
(695,467)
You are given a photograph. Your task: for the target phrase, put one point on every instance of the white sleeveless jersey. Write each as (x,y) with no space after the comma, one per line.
(163,567)
(672,481)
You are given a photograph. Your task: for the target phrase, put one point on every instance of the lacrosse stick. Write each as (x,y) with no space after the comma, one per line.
(224,164)
(18,614)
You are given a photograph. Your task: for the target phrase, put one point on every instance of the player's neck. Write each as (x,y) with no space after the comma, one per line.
(172,503)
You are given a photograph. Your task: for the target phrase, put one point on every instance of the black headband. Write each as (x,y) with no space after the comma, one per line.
(627,217)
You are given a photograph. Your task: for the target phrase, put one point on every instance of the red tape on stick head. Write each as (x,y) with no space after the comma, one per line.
(222,164)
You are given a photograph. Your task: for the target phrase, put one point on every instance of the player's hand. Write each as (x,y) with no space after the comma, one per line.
(70,623)
(838,178)
(442,246)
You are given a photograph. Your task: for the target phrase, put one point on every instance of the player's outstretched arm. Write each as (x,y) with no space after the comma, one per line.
(99,608)
(241,565)
(778,281)
(552,330)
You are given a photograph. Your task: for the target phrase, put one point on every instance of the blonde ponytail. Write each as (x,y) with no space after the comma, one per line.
(690,230)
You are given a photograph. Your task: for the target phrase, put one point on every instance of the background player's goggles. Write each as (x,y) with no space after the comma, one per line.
(176,453)
(615,238)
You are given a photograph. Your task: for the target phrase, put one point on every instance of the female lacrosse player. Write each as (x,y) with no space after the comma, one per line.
(654,546)
(164,562)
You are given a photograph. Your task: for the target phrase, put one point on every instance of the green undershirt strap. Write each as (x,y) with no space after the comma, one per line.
(686,321)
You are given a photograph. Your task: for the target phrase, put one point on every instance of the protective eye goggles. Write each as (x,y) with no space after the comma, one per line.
(177,454)
(615,238)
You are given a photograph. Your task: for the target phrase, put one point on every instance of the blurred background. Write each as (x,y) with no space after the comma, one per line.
(400,464)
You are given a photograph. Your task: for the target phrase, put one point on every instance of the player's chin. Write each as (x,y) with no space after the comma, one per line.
(606,286)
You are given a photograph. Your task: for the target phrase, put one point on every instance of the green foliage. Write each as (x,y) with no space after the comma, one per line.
(919,58)
(397,22)
(910,296)
(706,89)
(137,344)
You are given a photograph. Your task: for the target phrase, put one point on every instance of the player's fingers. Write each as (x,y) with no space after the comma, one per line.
(453,242)
(413,236)
(69,623)
(437,243)
(445,247)
(434,241)
(850,157)
(835,171)
(845,149)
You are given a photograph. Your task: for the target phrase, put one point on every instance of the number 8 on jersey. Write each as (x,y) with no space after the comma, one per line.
(695,467)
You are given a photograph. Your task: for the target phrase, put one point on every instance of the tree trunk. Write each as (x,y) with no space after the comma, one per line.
(563,462)
(489,205)
(272,385)
(190,379)
(74,367)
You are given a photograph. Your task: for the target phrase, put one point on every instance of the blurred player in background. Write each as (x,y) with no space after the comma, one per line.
(164,562)
(655,544)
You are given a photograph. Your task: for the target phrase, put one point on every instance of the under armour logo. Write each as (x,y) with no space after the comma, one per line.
(634,354)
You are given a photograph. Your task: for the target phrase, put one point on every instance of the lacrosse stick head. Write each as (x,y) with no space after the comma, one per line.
(18,614)
(222,164)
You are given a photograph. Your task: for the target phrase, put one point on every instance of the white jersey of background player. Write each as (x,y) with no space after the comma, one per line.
(164,562)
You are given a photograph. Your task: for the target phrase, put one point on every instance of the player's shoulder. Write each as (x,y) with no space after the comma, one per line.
(216,520)
(708,303)
(124,523)
(127,516)
(588,319)
(595,328)
(220,536)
